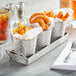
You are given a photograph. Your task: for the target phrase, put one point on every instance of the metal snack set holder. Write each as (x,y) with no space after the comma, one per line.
(27,51)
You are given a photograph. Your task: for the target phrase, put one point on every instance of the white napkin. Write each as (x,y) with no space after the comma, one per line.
(60,64)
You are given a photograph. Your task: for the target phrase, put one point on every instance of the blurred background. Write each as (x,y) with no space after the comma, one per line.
(32,6)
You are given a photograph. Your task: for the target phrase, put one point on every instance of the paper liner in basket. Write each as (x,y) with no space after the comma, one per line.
(28,41)
(44,38)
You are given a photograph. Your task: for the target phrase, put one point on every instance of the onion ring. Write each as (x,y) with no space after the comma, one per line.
(40,21)
(34,15)
(45,18)
(40,18)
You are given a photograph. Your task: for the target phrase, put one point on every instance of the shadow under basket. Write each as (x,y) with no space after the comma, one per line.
(26,60)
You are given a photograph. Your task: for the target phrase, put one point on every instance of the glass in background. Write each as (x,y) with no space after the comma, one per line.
(65,3)
(74,9)
(4,23)
(20,11)
(74,13)
(19,15)
(10,7)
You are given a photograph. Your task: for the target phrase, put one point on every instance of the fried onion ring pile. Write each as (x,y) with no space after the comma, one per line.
(34,15)
(43,18)
(40,18)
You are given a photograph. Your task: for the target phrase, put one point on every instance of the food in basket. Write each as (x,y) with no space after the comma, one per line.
(21,29)
(4,23)
(60,15)
(45,22)
(49,14)
(45,18)
(61,22)
(24,38)
(63,17)
(34,15)
(44,36)
(40,18)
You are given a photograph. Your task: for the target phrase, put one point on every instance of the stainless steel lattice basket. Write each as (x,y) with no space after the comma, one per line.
(44,38)
(27,47)
(58,30)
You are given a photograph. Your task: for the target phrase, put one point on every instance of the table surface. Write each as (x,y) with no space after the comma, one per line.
(41,67)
